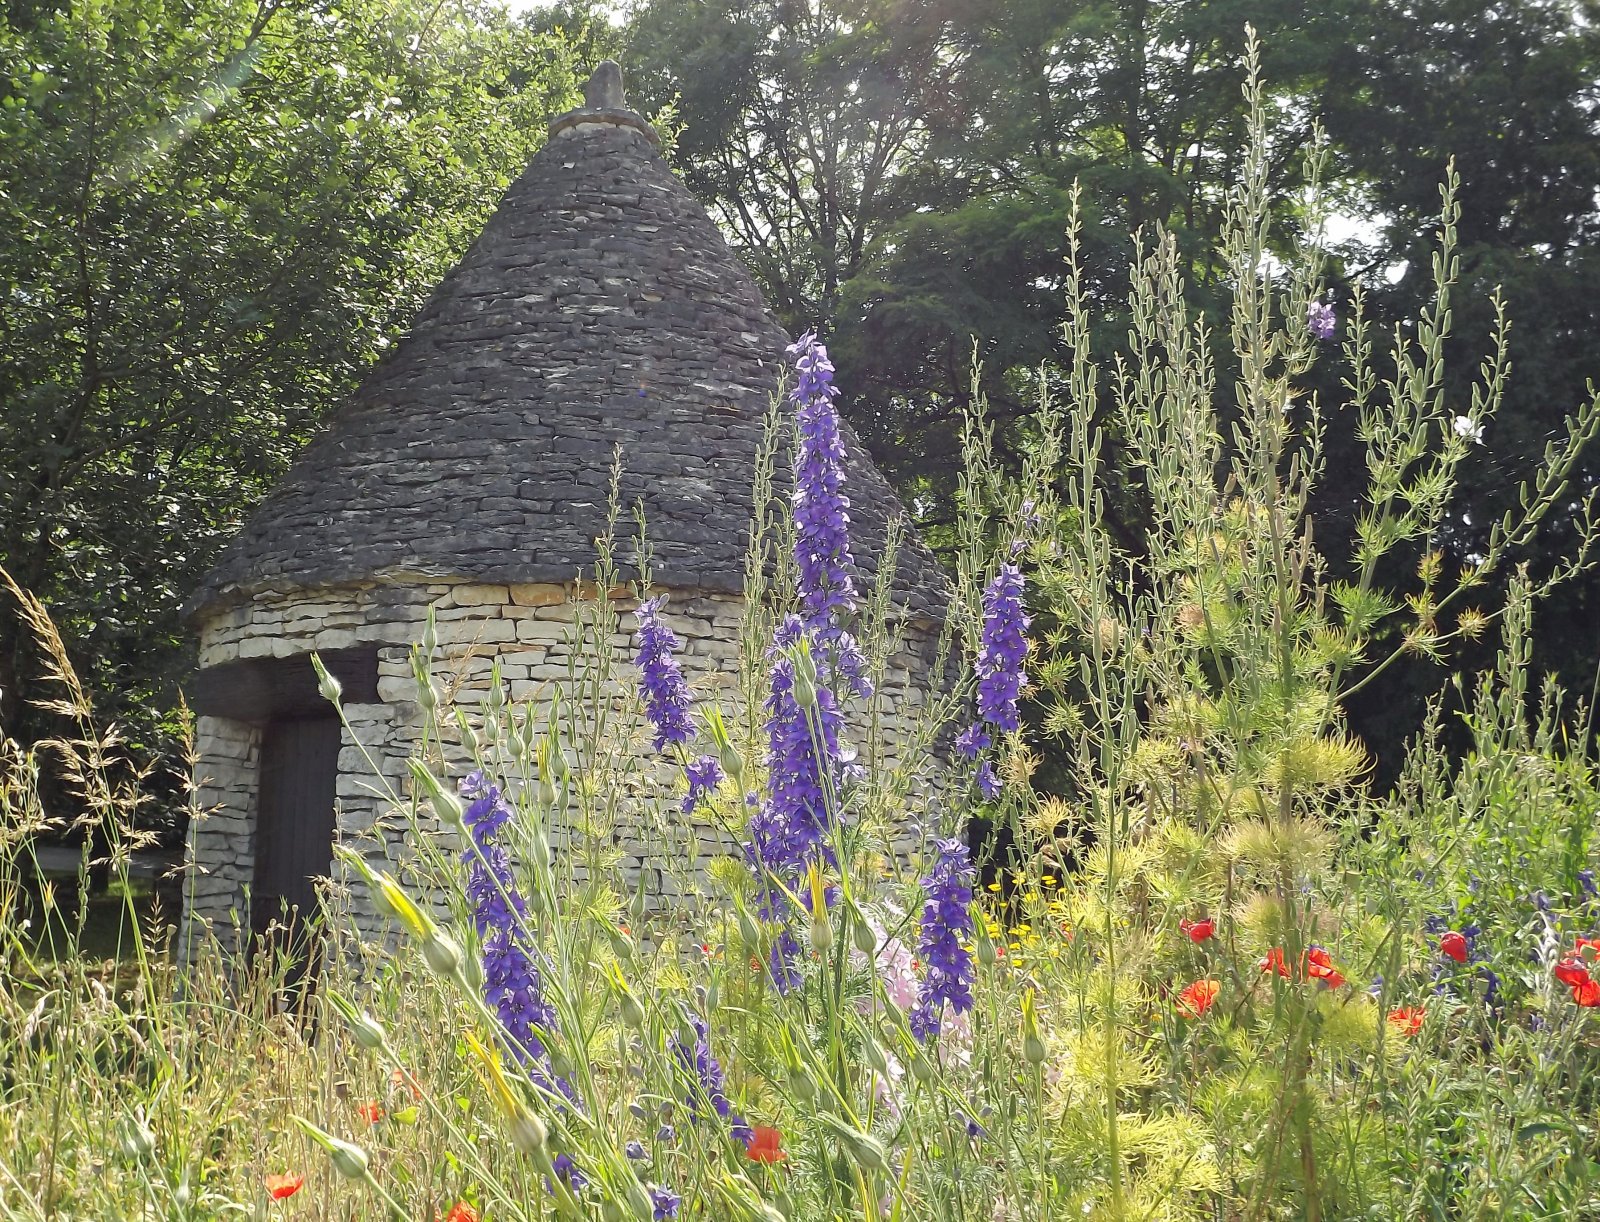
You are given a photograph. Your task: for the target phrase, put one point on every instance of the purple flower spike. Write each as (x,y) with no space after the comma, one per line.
(1320,319)
(822,514)
(1003,645)
(946,929)
(804,772)
(511,981)
(710,1085)
(973,741)
(666,691)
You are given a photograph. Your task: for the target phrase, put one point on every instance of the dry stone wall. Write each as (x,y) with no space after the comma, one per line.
(530,631)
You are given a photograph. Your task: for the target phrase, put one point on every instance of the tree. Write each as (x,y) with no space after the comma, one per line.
(213,216)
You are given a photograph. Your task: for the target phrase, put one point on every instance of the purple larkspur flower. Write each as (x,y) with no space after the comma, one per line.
(1003,644)
(664,1202)
(567,1171)
(972,741)
(1586,882)
(710,1087)
(512,984)
(821,513)
(666,691)
(704,775)
(1320,319)
(946,930)
(783,964)
(988,783)
(635,1151)
(804,775)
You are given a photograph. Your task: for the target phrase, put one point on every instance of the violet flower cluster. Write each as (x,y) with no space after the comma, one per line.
(704,774)
(942,945)
(710,1085)
(822,515)
(666,691)
(1320,319)
(790,830)
(1002,646)
(512,985)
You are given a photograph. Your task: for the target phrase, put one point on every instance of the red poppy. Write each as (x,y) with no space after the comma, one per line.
(281,1186)
(1407,1020)
(766,1145)
(1590,942)
(1572,971)
(1198,998)
(460,1212)
(370,1112)
(1319,966)
(1453,945)
(1198,931)
(1587,993)
(1274,962)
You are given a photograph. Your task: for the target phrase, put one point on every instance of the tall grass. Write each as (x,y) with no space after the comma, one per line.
(1217,978)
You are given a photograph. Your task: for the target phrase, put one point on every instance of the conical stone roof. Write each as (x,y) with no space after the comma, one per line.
(600,308)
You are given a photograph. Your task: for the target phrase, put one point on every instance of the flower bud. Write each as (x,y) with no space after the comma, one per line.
(861,929)
(821,933)
(805,689)
(527,1131)
(445,804)
(872,1053)
(610,1211)
(921,1068)
(136,1140)
(442,954)
(866,1149)
(327,686)
(749,932)
(367,1031)
(801,1086)
(1033,1049)
(348,1160)
(983,944)
(639,1200)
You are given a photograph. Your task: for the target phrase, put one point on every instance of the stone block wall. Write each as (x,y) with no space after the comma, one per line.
(530,631)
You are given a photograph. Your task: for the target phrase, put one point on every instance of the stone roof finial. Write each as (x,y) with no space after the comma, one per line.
(604,90)
(604,105)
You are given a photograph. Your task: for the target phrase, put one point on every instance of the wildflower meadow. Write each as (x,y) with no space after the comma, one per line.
(1207,971)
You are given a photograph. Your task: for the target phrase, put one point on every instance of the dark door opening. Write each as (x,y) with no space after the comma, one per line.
(294,837)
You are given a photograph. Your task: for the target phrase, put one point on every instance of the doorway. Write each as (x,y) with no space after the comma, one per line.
(294,837)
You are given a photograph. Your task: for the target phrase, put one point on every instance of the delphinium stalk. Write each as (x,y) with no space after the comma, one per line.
(1002,646)
(822,518)
(710,1086)
(791,828)
(946,932)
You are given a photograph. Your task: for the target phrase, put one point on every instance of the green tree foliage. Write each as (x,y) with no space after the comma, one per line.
(213,215)
(952,245)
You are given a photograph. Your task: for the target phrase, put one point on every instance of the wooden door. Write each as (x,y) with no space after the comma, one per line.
(294,827)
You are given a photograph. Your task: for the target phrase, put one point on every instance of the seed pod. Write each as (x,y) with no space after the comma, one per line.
(348,1160)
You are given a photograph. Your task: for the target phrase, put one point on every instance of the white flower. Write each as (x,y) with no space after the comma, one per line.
(1465,428)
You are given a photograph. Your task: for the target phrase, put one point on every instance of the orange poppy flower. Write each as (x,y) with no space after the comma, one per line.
(460,1212)
(1274,962)
(281,1186)
(1572,971)
(1199,997)
(1197,931)
(1319,966)
(370,1112)
(1407,1020)
(1587,993)
(1453,945)
(766,1145)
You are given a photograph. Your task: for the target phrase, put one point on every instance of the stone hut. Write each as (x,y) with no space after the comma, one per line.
(599,310)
